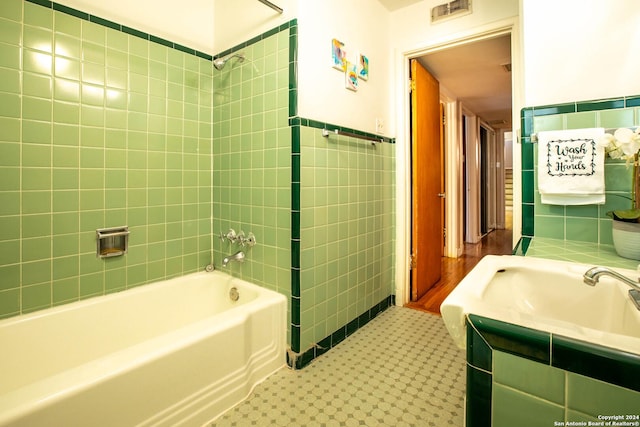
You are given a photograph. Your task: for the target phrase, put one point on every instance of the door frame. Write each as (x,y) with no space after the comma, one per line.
(452,151)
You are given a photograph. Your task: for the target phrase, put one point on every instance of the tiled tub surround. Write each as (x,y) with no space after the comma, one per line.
(252,158)
(99,127)
(102,125)
(525,377)
(587,223)
(321,209)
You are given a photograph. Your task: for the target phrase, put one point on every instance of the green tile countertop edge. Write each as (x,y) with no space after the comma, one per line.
(591,360)
(580,252)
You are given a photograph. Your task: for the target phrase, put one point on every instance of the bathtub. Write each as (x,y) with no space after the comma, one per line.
(173,353)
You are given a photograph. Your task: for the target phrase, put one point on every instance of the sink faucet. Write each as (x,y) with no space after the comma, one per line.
(592,276)
(238,257)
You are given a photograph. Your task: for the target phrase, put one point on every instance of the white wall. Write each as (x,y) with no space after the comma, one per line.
(580,50)
(189,24)
(411,26)
(363,25)
(237,21)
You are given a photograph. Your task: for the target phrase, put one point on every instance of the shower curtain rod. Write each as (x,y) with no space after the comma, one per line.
(272,6)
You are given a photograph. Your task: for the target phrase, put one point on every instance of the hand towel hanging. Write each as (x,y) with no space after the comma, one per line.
(571,167)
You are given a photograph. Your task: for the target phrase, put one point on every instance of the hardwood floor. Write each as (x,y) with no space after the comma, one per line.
(498,242)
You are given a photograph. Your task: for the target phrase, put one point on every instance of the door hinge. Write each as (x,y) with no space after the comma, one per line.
(412,262)
(412,85)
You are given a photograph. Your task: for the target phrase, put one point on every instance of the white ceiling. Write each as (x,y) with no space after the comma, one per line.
(474,73)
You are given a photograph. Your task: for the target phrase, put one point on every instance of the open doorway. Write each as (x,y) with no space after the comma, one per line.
(475,81)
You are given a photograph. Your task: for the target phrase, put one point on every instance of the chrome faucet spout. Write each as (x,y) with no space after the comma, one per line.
(237,257)
(592,276)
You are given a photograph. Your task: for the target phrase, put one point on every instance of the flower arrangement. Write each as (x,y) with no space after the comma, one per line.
(624,144)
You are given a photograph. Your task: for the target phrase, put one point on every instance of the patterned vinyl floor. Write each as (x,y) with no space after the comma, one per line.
(401,369)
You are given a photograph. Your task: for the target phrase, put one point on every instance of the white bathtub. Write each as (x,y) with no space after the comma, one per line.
(173,353)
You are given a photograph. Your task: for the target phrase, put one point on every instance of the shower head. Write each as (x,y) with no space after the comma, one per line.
(220,62)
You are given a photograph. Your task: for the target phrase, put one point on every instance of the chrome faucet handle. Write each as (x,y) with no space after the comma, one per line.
(230,235)
(249,240)
(240,238)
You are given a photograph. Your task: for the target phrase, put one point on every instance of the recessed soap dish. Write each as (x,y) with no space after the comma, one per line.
(112,241)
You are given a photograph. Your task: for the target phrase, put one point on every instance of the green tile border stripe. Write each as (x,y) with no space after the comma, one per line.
(522,246)
(286,26)
(614,366)
(115,26)
(527,114)
(602,363)
(524,342)
(293,121)
(293,70)
(299,361)
(296,292)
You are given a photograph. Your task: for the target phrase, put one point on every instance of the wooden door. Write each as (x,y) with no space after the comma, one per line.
(427,181)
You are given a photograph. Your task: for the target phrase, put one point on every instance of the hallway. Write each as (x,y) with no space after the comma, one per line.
(498,242)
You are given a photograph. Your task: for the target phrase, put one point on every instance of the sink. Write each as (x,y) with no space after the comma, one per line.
(548,296)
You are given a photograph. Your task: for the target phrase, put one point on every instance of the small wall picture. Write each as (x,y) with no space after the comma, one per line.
(351,76)
(363,67)
(338,55)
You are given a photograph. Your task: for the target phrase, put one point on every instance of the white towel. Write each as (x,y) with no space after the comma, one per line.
(571,167)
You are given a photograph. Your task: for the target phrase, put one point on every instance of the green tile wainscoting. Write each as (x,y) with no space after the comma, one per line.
(346,203)
(100,125)
(524,377)
(588,223)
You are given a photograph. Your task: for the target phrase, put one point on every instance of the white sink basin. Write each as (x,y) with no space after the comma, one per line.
(548,296)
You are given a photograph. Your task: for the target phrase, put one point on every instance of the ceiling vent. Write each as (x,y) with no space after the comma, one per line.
(451,9)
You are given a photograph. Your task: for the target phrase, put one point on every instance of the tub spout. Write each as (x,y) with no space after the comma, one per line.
(237,257)
(592,276)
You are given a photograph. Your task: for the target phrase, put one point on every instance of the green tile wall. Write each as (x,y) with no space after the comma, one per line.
(99,127)
(252,159)
(347,230)
(575,223)
(322,213)
(103,125)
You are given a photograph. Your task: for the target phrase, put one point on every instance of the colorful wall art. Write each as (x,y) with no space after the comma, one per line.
(338,55)
(363,67)
(351,76)
(352,70)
